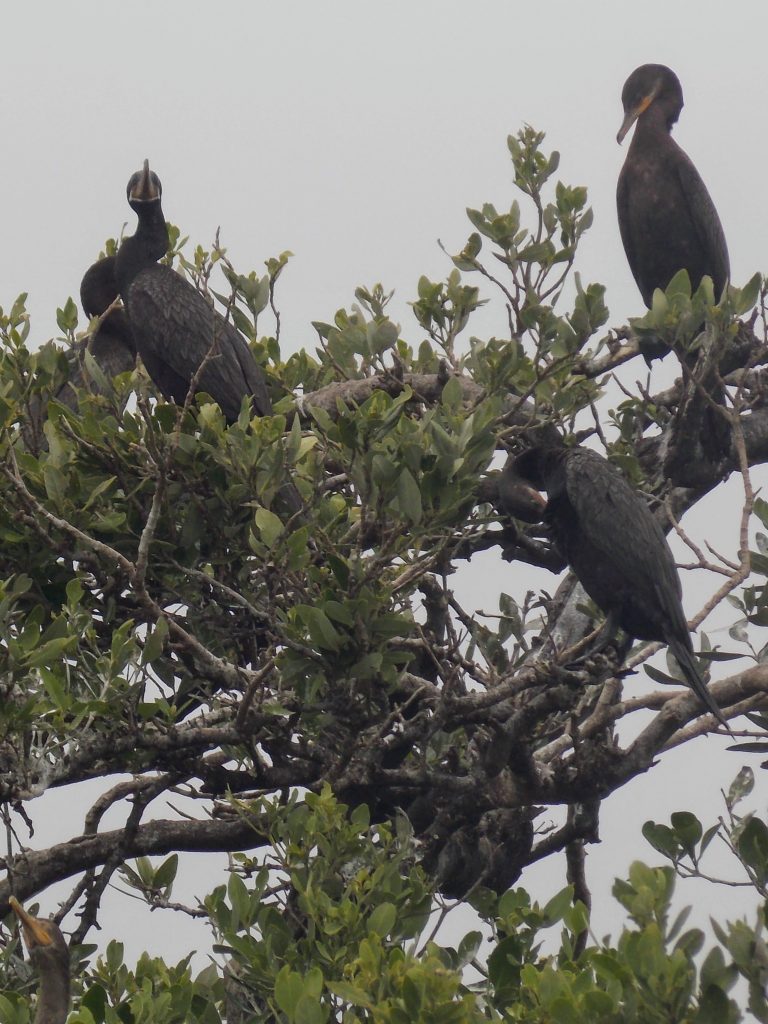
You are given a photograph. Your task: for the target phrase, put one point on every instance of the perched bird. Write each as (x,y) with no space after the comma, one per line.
(667,219)
(179,337)
(183,342)
(617,550)
(49,952)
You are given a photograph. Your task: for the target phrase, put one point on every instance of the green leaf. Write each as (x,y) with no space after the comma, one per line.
(339,613)
(661,838)
(21,585)
(239,897)
(760,508)
(66,318)
(74,590)
(452,395)
(409,497)
(659,306)
(12,1014)
(714,1008)
(289,989)
(679,285)
(269,525)
(467,259)
(468,947)
(313,982)
(166,873)
(51,652)
(576,918)
(753,848)
(350,993)
(154,645)
(556,907)
(55,484)
(688,830)
(309,1010)
(339,568)
(258,301)
(95,1001)
(741,786)
(746,297)
(382,920)
(321,629)
(98,490)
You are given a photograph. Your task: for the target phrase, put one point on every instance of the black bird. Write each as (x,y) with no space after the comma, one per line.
(667,219)
(174,328)
(617,550)
(178,335)
(112,346)
(49,952)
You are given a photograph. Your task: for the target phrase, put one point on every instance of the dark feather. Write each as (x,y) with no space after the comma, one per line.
(667,219)
(179,336)
(183,342)
(616,548)
(176,329)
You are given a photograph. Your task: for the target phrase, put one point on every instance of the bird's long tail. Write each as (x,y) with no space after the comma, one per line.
(687,663)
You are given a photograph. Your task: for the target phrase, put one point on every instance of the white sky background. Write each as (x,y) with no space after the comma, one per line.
(355,134)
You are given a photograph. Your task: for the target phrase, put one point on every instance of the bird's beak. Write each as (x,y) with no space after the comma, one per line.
(144,191)
(34,933)
(519,499)
(633,114)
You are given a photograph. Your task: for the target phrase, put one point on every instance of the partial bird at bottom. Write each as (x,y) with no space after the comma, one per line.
(49,952)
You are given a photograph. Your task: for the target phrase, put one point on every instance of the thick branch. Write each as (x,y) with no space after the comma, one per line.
(33,871)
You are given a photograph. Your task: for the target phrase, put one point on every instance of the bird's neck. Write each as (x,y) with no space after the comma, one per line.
(655,121)
(52,998)
(147,246)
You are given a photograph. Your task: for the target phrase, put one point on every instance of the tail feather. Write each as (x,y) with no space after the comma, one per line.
(687,663)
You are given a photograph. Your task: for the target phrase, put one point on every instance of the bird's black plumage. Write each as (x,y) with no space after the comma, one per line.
(176,331)
(616,548)
(112,345)
(98,288)
(667,219)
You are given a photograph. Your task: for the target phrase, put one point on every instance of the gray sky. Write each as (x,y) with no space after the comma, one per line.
(355,134)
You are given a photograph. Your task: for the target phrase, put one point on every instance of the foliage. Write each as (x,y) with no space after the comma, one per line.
(334,929)
(308,692)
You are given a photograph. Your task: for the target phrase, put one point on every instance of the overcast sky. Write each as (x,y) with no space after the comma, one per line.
(355,134)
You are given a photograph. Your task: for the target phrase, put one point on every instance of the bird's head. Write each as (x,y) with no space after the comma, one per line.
(44,939)
(144,187)
(536,464)
(518,497)
(98,289)
(650,84)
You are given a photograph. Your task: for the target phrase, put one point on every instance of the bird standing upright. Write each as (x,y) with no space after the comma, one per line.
(667,219)
(183,342)
(617,550)
(179,336)
(49,952)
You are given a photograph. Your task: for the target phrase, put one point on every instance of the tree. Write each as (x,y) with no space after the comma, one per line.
(310,690)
